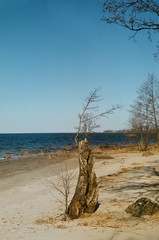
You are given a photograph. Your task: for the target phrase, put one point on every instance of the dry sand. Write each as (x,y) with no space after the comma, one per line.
(30,206)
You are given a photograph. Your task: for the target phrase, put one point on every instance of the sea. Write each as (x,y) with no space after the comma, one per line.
(16,144)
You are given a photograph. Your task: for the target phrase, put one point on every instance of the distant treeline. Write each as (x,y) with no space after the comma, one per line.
(119,131)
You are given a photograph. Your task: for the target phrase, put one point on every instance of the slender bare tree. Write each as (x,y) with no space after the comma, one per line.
(140,123)
(63,185)
(145,111)
(149,93)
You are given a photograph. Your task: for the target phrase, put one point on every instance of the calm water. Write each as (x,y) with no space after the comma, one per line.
(15,144)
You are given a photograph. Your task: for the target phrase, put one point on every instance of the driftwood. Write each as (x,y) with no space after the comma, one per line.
(85,199)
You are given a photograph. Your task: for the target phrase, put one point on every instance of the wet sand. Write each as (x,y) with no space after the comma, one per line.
(19,169)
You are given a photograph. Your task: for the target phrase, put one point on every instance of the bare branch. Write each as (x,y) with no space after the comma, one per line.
(132,14)
(89,114)
(103,114)
(135,15)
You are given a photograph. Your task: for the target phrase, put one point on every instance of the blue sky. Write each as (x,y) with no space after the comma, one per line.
(54,52)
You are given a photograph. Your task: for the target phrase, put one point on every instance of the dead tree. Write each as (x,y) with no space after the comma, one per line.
(144,118)
(85,199)
(140,122)
(149,94)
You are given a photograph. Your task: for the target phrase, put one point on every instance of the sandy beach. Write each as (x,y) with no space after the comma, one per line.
(31,210)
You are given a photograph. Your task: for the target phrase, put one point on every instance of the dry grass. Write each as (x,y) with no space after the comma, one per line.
(109,219)
(103,156)
(153,219)
(58,221)
(147,154)
(116,220)
(46,220)
(153,148)
(112,219)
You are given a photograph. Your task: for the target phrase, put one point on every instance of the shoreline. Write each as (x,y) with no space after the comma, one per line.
(29,162)
(15,144)
(105,146)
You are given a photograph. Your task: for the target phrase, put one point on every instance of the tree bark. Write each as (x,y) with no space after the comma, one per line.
(85,199)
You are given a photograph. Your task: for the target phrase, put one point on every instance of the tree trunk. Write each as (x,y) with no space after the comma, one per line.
(85,199)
